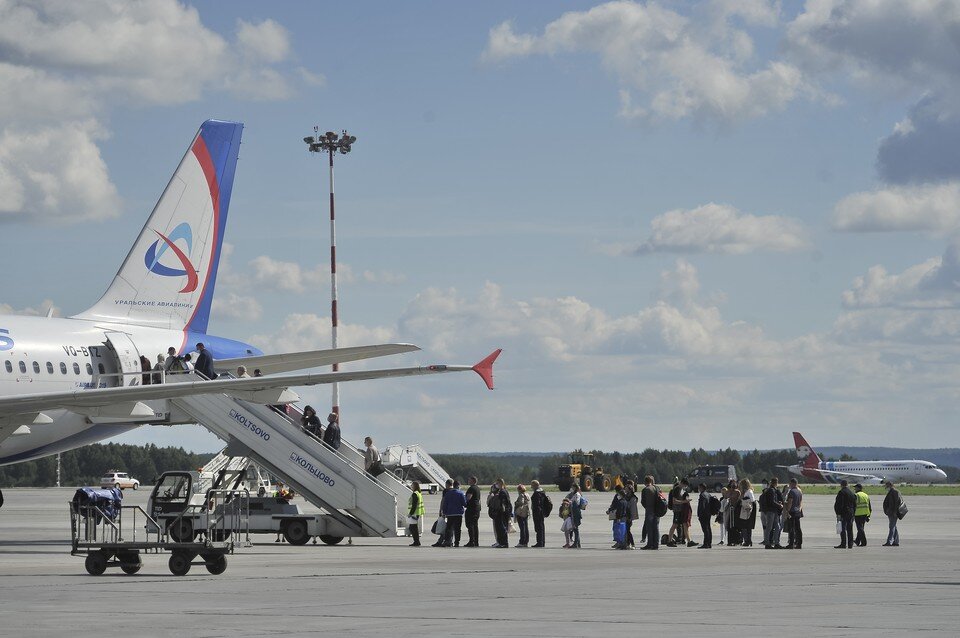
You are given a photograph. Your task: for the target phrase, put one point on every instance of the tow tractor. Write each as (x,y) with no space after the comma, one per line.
(177,504)
(110,534)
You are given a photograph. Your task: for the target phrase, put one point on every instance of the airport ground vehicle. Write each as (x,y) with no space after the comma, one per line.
(177,505)
(714,476)
(579,469)
(122,480)
(109,534)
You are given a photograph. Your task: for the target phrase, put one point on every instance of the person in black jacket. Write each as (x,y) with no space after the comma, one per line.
(844,507)
(472,514)
(204,363)
(500,509)
(704,516)
(331,435)
(771,507)
(649,496)
(891,507)
(309,421)
(536,510)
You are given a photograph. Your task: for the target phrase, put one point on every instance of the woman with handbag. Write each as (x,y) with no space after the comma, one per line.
(521,511)
(734,533)
(415,512)
(747,512)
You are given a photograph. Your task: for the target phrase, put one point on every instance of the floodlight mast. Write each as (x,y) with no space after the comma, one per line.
(331,143)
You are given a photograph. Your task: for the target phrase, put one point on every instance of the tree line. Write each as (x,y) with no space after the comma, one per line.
(85,465)
(664,465)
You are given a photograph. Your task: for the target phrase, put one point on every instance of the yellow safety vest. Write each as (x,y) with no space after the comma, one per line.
(416,503)
(863,504)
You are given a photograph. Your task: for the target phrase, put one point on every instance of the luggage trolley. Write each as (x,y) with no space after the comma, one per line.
(110,534)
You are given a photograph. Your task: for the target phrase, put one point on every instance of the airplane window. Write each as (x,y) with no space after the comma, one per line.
(8,366)
(100,368)
(89,369)
(23,367)
(76,368)
(49,368)
(36,367)
(63,368)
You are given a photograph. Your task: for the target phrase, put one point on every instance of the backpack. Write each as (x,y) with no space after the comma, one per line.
(669,501)
(714,506)
(546,505)
(660,505)
(583,502)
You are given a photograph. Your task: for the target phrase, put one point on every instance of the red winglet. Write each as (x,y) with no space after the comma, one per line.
(485,368)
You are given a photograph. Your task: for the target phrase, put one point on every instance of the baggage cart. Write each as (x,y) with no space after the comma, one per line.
(109,534)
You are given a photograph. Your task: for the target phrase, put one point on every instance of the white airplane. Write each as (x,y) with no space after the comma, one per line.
(865,472)
(68,382)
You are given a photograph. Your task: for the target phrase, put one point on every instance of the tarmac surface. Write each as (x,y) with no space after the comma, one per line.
(383,587)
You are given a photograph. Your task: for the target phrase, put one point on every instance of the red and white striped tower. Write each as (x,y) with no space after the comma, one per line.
(333,287)
(332,143)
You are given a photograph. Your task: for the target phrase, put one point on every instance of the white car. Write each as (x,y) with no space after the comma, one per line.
(122,480)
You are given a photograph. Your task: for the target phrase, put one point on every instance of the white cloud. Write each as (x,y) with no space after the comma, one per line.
(696,66)
(676,365)
(719,228)
(286,275)
(55,174)
(928,207)
(932,284)
(292,277)
(42,310)
(886,43)
(267,41)
(311,332)
(920,306)
(567,329)
(236,307)
(32,95)
(62,63)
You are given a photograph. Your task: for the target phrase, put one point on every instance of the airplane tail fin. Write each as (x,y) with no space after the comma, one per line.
(805,453)
(168,277)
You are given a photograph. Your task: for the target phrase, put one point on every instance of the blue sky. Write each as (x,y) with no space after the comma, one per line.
(687,223)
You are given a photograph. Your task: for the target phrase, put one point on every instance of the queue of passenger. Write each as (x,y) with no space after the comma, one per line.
(173,363)
(736,511)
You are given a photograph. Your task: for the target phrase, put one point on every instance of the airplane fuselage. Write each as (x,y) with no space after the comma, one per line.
(914,471)
(40,354)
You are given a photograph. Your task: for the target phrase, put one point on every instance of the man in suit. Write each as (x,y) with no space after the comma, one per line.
(844,507)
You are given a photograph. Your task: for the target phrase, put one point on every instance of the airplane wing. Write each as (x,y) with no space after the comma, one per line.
(274,363)
(125,401)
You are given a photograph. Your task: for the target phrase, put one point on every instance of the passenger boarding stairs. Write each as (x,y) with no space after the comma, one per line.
(255,479)
(332,480)
(413,463)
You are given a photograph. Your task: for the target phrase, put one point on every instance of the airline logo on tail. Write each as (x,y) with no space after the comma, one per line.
(157,250)
(806,455)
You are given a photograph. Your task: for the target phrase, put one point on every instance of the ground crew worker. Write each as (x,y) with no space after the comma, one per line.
(415,513)
(862,514)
